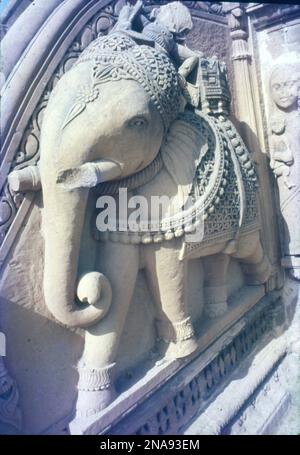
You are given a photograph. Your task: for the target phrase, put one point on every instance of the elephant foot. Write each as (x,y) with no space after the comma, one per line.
(91,402)
(215,301)
(95,390)
(181,349)
(256,274)
(178,338)
(215,310)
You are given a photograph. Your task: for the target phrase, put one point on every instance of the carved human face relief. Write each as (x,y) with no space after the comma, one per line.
(284,85)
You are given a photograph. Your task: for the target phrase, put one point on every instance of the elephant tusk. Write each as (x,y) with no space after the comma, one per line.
(27,179)
(89,174)
(86,176)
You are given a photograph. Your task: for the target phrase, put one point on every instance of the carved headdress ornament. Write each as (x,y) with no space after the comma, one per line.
(117,57)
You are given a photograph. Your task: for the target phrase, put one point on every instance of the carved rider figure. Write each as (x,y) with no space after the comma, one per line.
(166,30)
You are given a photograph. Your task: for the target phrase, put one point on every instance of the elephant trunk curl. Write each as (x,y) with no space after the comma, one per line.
(63,219)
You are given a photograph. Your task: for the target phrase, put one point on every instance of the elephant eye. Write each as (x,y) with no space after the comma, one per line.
(138,122)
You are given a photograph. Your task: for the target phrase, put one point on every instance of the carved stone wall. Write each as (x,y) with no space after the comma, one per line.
(41,353)
(34,331)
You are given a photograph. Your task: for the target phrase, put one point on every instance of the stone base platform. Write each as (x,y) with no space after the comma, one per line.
(235,384)
(170,394)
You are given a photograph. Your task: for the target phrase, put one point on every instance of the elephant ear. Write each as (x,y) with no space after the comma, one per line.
(182,151)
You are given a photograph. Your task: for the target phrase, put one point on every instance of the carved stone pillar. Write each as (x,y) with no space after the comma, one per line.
(241,58)
(248,114)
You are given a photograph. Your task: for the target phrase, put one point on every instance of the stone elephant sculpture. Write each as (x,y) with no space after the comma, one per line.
(117,119)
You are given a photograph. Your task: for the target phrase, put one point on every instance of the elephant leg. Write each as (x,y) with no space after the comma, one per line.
(215,284)
(120,264)
(255,263)
(167,279)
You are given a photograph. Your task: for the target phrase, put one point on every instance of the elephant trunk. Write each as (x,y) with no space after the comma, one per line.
(63,219)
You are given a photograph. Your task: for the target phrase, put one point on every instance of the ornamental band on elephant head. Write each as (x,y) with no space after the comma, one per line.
(127,116)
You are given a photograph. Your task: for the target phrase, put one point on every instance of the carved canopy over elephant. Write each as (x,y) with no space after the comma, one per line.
(119,119)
